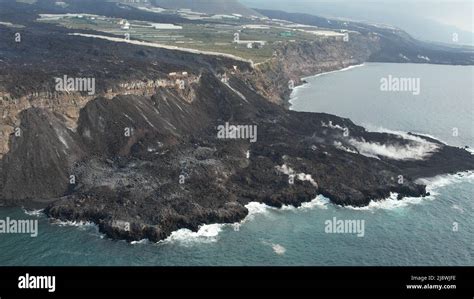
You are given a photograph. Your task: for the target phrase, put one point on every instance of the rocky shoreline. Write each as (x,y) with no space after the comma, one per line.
(169,180)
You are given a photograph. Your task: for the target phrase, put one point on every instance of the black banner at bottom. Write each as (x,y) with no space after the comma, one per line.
(245,282)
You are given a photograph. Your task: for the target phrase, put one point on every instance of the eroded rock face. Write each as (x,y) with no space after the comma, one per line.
(65,105)
(42,151)
(292,61)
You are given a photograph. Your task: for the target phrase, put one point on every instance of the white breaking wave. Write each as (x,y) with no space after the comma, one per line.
(319,202)
(432,186)
(36,213)
(206,234)
(390,203)
(435,183)
(143,241)
(80,224)
(257,208)
(277,248)
(209,233)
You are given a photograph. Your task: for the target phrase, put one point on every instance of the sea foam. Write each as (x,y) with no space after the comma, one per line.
(36,213)
(432,186)
(209,233)
(79,224)
(435,183)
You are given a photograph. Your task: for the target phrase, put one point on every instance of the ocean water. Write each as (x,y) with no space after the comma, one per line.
(443,108)
(438,230)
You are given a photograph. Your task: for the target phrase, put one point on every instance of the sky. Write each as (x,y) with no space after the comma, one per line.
(425,19)
(457,13)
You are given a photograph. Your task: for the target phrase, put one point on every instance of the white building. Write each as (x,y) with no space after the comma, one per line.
(125,25)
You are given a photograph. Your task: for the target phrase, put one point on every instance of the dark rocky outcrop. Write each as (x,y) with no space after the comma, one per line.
(174,172)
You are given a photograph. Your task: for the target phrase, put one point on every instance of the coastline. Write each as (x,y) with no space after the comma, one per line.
(294,94)
(208,233)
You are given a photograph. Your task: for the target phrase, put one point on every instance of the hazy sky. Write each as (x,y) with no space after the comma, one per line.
(458,13)
(415,16)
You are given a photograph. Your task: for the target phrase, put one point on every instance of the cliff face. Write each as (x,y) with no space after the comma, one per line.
(65,105)
(295,60)
(41,152)
(394,45)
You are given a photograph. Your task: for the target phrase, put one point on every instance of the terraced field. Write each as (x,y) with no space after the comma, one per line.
(255,42)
